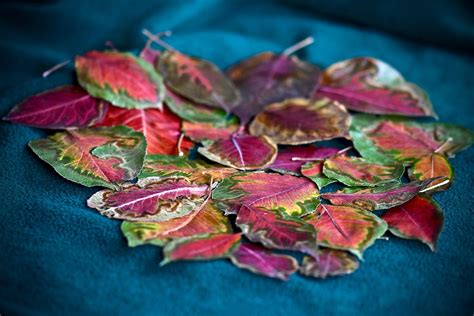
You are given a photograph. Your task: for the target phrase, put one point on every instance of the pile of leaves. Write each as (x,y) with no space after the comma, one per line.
(210,164)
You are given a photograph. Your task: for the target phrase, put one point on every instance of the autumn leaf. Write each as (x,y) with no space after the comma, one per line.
(433,166)
(329,263)
(202,132)
(314,172)
(105,156)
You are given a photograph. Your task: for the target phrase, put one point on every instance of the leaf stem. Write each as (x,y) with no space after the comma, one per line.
(180,141)
(450,139)
(301,44)
(55,67)
(435,186)
(156,38)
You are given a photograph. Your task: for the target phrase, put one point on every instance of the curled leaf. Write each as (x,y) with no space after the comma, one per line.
(60,108)
(289,160)
(369,85)
(261,261)
(432,166)
(329,263)
(302,121)
(105,156)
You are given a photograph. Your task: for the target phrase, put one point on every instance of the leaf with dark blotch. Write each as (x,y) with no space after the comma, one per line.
(276,230)
(302,121)
(151,200)
(261,261)
(385,196)
(202,132)
(329,263)
(314,172)
(420,218)
(355,171)
(243,152)
(208,220)
(289,160)
(105,156)
(198,80)
(61,108)
(433,166)
(387,139)
(161,128)
(271,191)
(369,85)
(202,247)
(346,228)
(267,78)
(120,78)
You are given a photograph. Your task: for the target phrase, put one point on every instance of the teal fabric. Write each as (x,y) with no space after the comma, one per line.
(60,258)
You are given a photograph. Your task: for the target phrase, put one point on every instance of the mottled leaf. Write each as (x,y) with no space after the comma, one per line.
(120,78)
(208,220)
(202,247)
(198,80)
(329,263)
(355,171)
(289,160)
(369,85)
(420,218)
(346,228)
(244,152)
(261,261)
(314,172)
(161,128)
(302,121)
(60,108)
(268,78)
(151,200)
(270,191)
(433,166)
(385,196)
(94,156)
(201,132)
(276,230)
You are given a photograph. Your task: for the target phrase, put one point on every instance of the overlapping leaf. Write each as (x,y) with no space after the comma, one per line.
(329,263)
(314,172)
(202,132)
(433,166)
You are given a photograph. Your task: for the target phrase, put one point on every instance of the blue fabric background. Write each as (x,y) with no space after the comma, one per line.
(57,257)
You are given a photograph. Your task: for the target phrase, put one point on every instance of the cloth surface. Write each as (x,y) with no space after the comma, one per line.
(59,257)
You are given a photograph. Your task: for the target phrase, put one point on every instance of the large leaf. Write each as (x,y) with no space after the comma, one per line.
(151,200)
(198,80)
(269,191)
(94,156)
(161,128)
(420,218)
(268,78)
(208,220)
(289,160)
(347,228)
(385,196)
(277,230)
(329,263)
(433,166)
(388,139)
(202,132)
(302,121)
(354,171)
(244,152)
(261,261)
(120,78)
(60,108)
(369,85)
(202,247)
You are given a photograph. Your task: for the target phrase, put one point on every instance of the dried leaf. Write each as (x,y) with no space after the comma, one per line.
(302,121)
(285,162)
(329,263)
(369,85)
(104,156)
(433,166)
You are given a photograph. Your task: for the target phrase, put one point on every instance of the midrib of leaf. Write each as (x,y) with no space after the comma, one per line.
(277,193)
(61,105)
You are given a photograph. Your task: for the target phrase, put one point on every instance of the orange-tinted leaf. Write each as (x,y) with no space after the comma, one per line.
(329,263)
(433,166)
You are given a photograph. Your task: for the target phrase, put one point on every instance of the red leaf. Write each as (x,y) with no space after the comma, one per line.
(329,263)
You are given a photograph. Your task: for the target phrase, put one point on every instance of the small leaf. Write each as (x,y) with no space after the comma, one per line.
(354,171)
(202,132)
(276,230)
(420,218)
(369,85)
(208,220)
(243,152)
(302,121)
(329,263)
(388,195)
(120,78)
(314,172)
(151,200)
(346,228)
(198,80)
(268,78)
(202,247)
(161,128)
(104,156)
(60,108)
(261,261)
(285,162)
(433,166)
(281,193)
